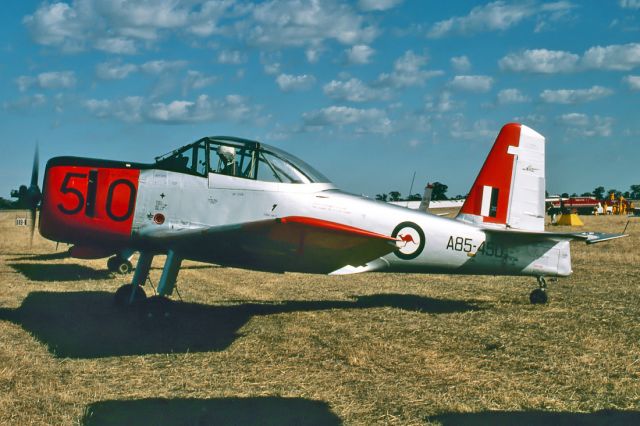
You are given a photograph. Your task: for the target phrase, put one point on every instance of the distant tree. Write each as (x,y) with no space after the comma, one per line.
(616,193)
(599,192)
(586,194)
(8,204)
(414,197)
(635,192)
(439,191)
(381,197)
(574,195)
(565,195)
(394,196)
(626,194)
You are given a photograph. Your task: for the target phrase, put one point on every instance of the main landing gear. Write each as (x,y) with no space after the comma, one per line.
(539,295)
(133,294)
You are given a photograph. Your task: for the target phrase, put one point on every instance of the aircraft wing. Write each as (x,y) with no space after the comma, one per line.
(587,237)
(294,243)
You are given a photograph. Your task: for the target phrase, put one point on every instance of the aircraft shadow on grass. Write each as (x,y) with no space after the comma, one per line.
(538,418)
(69,272)
(59,272)
(89,325)
(236,411)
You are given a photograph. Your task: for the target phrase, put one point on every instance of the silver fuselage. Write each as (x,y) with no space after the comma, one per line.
(447,245)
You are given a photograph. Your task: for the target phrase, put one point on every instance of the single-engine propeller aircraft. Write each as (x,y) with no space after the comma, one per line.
(246,204)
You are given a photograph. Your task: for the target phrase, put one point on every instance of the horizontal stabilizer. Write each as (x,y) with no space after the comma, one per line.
(587,237)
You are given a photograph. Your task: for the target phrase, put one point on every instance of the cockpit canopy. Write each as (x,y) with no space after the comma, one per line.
(239,158)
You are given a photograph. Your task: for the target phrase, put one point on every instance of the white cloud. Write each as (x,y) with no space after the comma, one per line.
(461,63)
(271,62)
(582,125)
(574,96)
(370,120)
(369,5)
(118,45)
(121,26)
(478,131)
(619,57)
(48,80)
(57,24)
(231,57)
(497,16)
(196,80)
(540,61)
(633,81)
(57,80)
(313,54)
(202,109)
(471,83)
(629,4)
(359,54)
(511,96)
(114,71)
(291,83)
(162,66)
(354,90)
(25,102)
(407,71)
(614,57)
(128,109)
(574,119)
(280,23)
(444,103)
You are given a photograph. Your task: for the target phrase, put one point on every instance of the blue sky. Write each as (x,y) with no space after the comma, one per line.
(367,91)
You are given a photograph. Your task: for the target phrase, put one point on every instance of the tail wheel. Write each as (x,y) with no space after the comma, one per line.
(538,297)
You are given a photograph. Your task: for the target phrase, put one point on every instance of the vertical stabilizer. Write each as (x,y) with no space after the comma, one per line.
(509,190)
(426,198)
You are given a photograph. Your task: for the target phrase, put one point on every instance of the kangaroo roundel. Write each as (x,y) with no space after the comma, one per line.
(410,240)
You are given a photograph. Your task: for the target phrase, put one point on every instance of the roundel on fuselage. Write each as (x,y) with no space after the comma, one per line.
(410,240)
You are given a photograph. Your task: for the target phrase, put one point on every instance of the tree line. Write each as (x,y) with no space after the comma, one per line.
(440,193)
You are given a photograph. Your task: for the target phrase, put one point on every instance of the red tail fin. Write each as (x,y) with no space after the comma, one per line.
(509,189)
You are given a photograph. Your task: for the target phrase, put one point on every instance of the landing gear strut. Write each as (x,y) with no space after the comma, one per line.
(539,295)
(119,265)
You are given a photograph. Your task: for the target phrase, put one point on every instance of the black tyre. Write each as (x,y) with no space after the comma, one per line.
(158,307)
(122,296)
(124,267)
(112,263)
(538,297)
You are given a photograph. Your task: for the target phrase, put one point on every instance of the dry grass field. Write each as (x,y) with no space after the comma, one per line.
(244,347)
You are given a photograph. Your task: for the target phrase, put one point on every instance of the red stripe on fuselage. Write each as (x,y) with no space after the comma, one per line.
(76,208)
(496,172)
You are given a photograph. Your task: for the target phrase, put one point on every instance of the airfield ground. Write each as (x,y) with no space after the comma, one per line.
(248,347)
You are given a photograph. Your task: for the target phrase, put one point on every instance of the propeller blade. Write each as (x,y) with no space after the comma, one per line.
(36,165)
(33,193)
(32,224)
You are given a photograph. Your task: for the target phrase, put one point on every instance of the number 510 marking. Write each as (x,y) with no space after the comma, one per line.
(88,205)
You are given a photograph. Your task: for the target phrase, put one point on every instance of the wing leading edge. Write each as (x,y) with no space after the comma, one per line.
(294,243)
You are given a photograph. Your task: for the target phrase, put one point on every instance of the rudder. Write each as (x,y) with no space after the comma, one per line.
(509,191)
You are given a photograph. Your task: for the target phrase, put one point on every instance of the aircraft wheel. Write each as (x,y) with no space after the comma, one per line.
(538,297)
(123,295)
(118,265)
(158,307)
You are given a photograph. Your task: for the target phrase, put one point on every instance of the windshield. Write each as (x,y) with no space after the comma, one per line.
(312,174)
(240,158)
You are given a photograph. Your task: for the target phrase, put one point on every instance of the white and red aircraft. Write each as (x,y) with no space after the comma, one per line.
(246,204)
